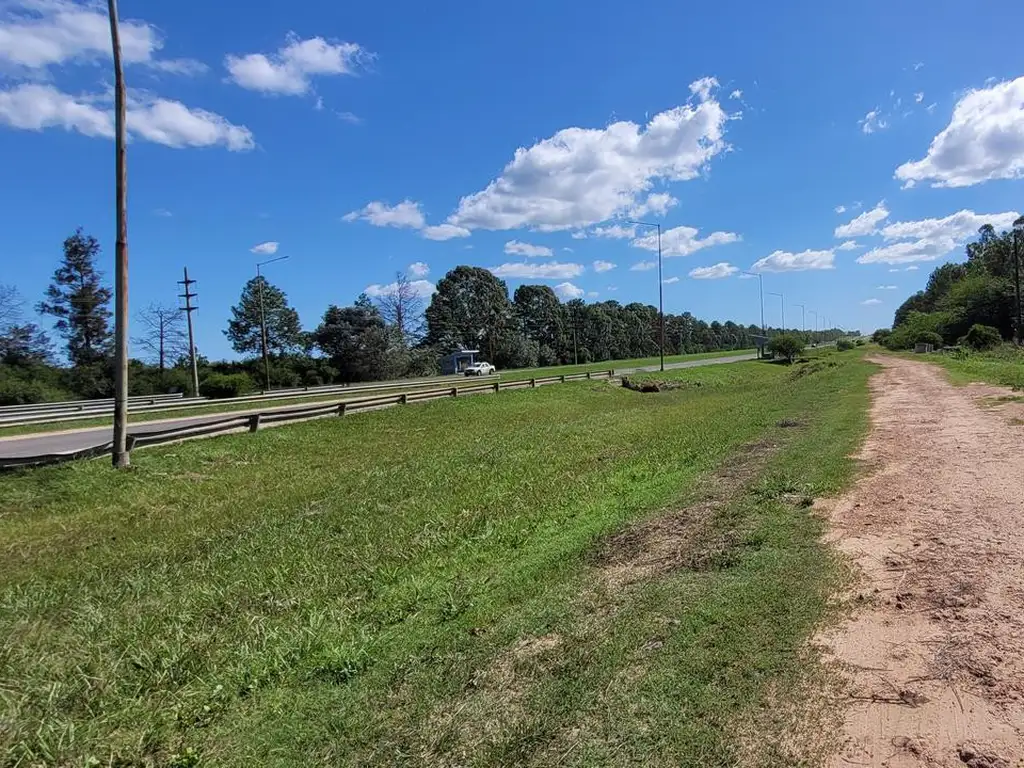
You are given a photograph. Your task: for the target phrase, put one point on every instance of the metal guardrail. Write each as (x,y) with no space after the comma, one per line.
(73,405)
(254,421)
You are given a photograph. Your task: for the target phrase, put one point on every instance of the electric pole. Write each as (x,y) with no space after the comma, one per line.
(1018,226)
(119,450)
(188,309)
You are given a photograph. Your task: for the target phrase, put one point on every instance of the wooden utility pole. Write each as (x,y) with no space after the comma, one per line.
(1015,244)
(120,448)
(188,309)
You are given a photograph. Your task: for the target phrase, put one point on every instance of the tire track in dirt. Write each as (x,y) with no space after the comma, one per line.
(933,652)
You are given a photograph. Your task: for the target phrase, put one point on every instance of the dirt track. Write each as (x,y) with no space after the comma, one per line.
(934,650)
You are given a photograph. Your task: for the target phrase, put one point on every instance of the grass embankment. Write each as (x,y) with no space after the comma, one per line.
(448,381)
(573,575)
(1004,366)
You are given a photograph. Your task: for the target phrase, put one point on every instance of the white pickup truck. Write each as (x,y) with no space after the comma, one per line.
(480,369)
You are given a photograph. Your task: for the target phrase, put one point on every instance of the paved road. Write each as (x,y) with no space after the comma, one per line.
(73,440)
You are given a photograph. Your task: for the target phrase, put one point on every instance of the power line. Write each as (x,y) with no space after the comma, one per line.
(188,309)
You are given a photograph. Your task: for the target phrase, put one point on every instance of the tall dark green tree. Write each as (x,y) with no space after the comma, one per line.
(470,309)
(284,333)
(359,344)
(78,300)
(540,317)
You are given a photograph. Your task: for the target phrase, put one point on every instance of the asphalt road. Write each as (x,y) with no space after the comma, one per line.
(39,444)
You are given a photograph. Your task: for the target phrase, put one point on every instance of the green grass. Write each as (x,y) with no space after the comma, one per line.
(425,586)
(1004,367)
(512,375)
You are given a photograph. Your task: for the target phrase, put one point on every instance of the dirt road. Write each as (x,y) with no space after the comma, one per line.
(933,653)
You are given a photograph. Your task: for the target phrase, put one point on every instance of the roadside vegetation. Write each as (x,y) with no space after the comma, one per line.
(1003,366)
(573,575)
(397,333)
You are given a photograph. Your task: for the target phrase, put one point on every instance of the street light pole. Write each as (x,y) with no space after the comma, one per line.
(803,318)
(782,302)
(815,324)
(760,293)
(263,319)
(661,287)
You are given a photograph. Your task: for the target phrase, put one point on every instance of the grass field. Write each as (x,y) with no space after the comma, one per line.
(1004,367)
(225,407)
(573,575)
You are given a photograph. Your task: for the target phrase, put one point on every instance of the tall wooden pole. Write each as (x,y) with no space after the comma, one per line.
(120,451)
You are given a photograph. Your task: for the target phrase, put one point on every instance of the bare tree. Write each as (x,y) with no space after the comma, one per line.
(164,336)
(10,306)
(402,305)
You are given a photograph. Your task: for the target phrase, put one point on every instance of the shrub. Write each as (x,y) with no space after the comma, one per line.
(880,336)
(982,337)
(218,385)
(860,342)
(844,345)
(786,345)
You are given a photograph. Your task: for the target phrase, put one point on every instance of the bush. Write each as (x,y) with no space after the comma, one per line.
(786,345)
(881,335)
(982,337)
(844,345)
(219,385)
(860,342)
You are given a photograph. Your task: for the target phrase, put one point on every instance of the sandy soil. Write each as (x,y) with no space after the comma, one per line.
(933,653)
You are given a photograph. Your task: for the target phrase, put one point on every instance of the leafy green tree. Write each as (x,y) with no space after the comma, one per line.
(284,333)
(360,345)
(539,314)
(470,309)
(24,344)
(786,345)
(78,299)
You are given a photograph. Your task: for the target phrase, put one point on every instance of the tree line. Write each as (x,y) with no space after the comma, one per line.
(395,334)
(975,303)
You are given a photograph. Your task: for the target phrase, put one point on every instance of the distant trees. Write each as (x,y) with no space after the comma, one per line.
(984,291)
(284,333)
(78,300)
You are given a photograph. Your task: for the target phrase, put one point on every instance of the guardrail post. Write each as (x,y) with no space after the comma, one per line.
(497,387)
(588,375)
(533,383)
(129,443)
(404,399)
(563,378)
(254,422)
(611,374)
(455,391)
(341,409)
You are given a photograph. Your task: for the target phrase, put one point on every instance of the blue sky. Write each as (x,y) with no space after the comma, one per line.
(362,139)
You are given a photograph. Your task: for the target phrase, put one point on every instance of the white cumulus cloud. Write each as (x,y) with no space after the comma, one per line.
(551,270)
(656,203)
(603,266)
(418,269)
(840,209)
(35,107)
(714,272)
(405,215)
(567,291)
(36,34)
(423,288)
(848,245)
(644,266)
(983,141)
(289,70)
(865,224)
(444,232)
(682,241)
(615,231)
(517,248)
(930,239)
(784,261)
(583,176)
(265,249)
